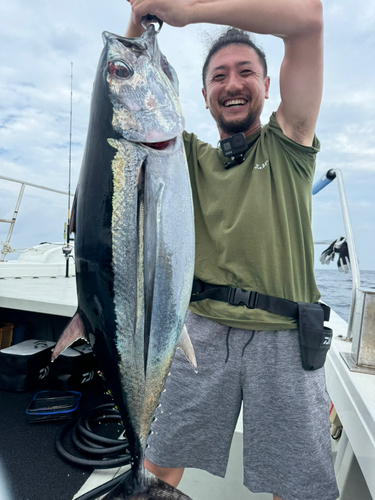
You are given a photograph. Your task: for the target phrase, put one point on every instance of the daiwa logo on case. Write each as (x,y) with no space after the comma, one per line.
(87,377)
(43,372)
(327,339)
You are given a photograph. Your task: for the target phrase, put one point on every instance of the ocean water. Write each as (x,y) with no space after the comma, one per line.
(336,288)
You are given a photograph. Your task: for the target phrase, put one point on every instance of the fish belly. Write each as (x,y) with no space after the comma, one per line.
(153,264)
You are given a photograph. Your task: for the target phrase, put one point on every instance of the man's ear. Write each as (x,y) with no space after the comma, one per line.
(204,93)
(267,83)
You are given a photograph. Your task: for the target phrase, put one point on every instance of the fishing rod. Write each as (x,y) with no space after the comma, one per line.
(67,249)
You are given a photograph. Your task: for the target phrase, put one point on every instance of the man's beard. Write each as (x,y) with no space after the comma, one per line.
(235,127)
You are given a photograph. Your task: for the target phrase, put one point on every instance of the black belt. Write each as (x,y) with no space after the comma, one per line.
(248,298)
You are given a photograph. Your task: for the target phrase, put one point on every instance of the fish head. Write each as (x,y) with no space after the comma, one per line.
(142,88)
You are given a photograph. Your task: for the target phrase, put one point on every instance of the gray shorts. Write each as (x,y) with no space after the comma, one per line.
(287,448)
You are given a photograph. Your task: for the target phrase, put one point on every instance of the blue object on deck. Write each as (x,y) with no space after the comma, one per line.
(323,181)
(53,405)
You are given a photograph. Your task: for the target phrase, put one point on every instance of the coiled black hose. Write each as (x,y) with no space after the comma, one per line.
(112,452)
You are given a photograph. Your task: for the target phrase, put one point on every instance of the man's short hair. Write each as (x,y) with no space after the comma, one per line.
(233,36)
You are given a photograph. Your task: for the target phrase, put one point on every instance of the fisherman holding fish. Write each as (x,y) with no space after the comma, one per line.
(253,233)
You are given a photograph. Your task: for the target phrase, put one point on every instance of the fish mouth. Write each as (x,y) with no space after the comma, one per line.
(159,146)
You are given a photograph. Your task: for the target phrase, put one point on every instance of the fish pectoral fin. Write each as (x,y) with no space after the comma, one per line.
(74,330)
(185,344)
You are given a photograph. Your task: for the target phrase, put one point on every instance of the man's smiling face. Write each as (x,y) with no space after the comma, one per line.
(236,89)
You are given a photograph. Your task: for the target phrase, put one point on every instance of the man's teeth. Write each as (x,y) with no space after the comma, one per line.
(235,102)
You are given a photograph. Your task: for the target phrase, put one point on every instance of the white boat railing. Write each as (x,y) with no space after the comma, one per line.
(356,278)
(361,326)
(6,244)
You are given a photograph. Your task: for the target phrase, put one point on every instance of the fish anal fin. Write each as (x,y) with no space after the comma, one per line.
(185,344)
(74,330)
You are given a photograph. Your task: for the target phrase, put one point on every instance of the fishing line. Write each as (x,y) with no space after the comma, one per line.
(67,249)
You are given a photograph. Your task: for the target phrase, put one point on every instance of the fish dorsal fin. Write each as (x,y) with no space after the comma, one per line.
(74,330)
(185,344)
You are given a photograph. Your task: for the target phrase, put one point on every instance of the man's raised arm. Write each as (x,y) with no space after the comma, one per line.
(298,22)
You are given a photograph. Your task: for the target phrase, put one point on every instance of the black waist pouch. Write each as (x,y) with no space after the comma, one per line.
(315,339)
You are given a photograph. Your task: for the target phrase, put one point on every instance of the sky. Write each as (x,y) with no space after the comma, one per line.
(40,39)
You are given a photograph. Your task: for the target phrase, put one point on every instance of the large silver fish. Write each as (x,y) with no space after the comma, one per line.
(134,239)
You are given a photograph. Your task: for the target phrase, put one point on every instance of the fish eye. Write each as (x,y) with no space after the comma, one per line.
(119,69)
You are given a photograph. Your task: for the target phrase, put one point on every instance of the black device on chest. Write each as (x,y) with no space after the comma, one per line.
(234,147)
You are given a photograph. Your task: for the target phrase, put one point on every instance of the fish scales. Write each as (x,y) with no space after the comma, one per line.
(128,297)
(134,241)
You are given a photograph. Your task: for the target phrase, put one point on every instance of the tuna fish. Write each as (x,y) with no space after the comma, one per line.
(134,239)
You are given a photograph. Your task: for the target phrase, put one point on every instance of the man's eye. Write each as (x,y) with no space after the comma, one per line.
(246,72)
(120,69)
(219,77)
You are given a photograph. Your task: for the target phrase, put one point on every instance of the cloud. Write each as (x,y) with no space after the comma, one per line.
(39,41)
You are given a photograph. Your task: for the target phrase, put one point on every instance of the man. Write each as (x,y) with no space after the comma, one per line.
(253,232)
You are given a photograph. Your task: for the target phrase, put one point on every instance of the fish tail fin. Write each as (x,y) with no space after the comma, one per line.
(151,488)
(185,344)
(73,331)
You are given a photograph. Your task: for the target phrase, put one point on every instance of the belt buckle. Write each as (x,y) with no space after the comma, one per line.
(239,296)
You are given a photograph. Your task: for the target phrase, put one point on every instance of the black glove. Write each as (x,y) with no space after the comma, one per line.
(343,261)
(329,254)
(340,247)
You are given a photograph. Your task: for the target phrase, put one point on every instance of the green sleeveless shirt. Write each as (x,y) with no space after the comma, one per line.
(253,224)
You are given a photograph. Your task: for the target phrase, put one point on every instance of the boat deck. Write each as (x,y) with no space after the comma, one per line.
(198,484)
(37,288)
(353,395)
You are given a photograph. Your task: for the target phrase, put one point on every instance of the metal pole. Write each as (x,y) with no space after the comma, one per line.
(70,169)
(33,185)
(5,249)
(12,222)
(324,181)
(356,278)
